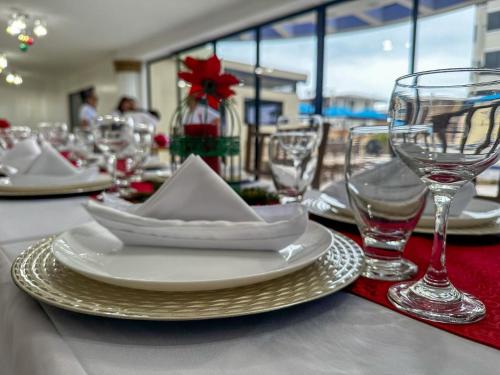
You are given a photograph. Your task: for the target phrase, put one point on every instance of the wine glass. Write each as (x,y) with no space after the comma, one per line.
(57,134)
(445,127)
(387,200)
(293,159)
(143,142)
(310,123)
(112,135)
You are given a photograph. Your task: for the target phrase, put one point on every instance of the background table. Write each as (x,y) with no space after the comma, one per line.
(340,334)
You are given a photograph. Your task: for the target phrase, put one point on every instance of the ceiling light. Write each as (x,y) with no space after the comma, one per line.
(40,28)
(3,62)
(387,45)
(17,24)
(18,79)
(10,78)
(14,79)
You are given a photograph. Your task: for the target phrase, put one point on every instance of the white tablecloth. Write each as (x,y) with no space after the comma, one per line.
(340,334)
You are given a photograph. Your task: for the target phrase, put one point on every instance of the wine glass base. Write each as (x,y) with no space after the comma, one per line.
(457,307)
(389,270)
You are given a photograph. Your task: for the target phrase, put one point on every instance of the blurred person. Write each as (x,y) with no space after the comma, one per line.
(88,112)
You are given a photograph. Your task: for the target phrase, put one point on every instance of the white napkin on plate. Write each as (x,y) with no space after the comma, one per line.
(41,164)
(195,208)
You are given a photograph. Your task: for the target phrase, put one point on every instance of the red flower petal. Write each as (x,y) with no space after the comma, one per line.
(211,68)
(224,92)
(192,63)
(188,77)
(227,79)
(213,102)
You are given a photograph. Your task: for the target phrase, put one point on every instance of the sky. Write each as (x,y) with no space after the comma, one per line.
(366,62)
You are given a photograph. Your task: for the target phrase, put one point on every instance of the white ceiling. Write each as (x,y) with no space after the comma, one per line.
(82,31)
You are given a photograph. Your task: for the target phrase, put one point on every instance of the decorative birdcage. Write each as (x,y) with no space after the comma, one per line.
(206,123)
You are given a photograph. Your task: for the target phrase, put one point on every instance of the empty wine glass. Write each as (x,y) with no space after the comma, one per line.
(112,135)
(309,123)
(387,200)
(81,145)
(445,126)
(57,134)
(293,159)
(143,142)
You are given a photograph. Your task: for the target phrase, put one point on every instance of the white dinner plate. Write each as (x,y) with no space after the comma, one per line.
(94,252)
(52,185)
(480,217)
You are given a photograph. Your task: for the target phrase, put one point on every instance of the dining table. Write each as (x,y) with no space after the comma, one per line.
(338,334)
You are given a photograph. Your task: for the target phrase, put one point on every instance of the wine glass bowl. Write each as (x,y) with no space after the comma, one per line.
(112,135)
(293,160)
(445,125)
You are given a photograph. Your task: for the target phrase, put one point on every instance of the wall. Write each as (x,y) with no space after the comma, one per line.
(100,75)
(30,103)
(164,91)
(38,100)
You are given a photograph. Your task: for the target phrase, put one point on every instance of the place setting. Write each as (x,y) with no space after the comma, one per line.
(193,250)
(32,166)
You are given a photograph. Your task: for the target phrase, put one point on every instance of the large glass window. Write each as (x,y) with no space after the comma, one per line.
(366,48)
(445,35)
(288,67)
(239,54)
(163,90)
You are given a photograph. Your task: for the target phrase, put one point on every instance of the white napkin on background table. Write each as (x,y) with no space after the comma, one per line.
(195,208)
(41,164)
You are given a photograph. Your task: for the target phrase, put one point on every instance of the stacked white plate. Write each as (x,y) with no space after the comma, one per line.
(93,251)
(480,216)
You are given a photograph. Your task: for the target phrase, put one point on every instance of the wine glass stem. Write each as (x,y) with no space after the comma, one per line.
(112,163)
(436,275)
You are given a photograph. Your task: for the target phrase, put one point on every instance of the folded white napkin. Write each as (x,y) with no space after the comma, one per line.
(195,208)
(336,193)
(38,163)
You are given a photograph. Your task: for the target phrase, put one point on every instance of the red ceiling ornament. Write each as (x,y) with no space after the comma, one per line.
(207,81)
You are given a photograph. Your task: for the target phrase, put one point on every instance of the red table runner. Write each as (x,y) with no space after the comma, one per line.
(472,268)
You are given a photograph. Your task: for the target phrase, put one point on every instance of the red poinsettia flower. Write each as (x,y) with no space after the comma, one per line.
(4,124)
(206,80)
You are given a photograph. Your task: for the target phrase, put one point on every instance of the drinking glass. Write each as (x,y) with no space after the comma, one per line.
(387,199)
(81,145)
(143,142)
(445,126)
(310,123)
(293,159)
(112,135)
(57,134)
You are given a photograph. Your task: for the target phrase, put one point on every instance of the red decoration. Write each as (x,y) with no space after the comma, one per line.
(30,41)
(4,124)
(206,80)
(473,267)
(161,140)
(205,131)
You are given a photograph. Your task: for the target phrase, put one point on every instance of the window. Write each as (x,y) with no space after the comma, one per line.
(446,40)
(493,21)
(164,86)
(270,111)
(366,48)
(492,59)
(288,63)
(238,54)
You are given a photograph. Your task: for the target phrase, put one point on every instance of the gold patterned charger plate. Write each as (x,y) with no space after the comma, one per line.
(37,272)
(101,183)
